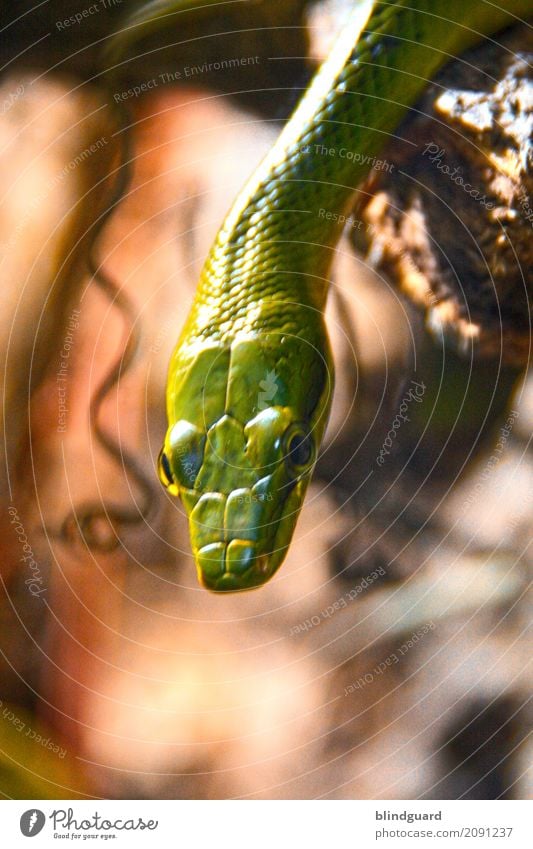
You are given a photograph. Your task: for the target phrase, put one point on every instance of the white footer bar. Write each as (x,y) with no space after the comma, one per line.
(266,824)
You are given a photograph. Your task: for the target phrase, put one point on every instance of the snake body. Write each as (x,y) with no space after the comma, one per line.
(251,378)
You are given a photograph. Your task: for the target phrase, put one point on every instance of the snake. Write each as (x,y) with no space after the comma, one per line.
(251,378)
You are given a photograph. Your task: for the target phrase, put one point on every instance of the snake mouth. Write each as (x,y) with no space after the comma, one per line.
(232,566)
(239,540)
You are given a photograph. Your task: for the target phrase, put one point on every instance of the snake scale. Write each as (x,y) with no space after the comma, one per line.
(251,379)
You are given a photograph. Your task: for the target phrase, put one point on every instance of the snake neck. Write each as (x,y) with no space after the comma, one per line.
(276,245)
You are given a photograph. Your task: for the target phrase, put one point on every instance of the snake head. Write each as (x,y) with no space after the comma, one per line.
(246,422)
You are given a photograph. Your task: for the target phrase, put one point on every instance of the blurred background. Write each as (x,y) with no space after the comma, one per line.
(389,656)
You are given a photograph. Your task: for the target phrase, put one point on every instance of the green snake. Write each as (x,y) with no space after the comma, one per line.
(250,381)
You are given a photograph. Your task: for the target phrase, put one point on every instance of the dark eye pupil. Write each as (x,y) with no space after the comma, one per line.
(300,450)
(165,465)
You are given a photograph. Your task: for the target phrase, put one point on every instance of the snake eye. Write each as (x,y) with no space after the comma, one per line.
(299,449)
(163,467)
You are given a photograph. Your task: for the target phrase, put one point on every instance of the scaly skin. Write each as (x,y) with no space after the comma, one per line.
(251,378)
